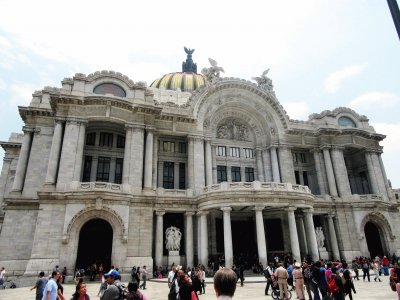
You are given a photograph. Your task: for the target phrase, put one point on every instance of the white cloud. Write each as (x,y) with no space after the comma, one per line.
(374,100)
(335,80)
(391,149)
(298,110)
(4,42)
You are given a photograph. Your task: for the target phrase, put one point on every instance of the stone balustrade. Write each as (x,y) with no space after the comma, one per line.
(257,186)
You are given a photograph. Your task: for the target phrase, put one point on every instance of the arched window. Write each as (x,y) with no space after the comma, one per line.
(109,88)
(346,122)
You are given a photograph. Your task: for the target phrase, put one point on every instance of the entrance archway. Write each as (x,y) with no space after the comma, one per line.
(374,240)
(95,244)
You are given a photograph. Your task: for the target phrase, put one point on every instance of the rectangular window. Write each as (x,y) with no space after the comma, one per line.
(221,174)
(119,163)
(235,152)
(90,138)
(168,175)
(248,153)
(169,146)
(182,176)
(182,147)
(249,173)
(87,168)
(235,174)
(297,176)
(103,169)
(120,141)
(106,139)
(305,178)
(221,150)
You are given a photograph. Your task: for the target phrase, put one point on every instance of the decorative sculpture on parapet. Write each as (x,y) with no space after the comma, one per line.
(173,237)
(319,234)
(264,82)
(212,74)
(189,66)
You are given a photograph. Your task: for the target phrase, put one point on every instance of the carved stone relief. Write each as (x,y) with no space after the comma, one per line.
(233,129)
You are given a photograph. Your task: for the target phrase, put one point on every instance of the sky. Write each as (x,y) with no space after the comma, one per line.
(322,54)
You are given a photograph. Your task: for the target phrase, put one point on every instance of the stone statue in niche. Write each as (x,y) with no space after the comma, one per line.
(320,237)
(173,237)
(233,130)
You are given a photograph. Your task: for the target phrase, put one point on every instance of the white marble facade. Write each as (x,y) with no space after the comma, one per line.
(223,153)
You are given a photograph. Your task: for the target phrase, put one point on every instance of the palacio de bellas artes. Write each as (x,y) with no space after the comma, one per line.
(106,167)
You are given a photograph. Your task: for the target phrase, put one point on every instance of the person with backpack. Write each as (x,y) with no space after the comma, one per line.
(113,291)
(335,285)
(348,282)
(365,268)
(268,272)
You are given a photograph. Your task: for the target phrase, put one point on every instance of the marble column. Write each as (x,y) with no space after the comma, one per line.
(340,170)
(148,159)
(5,173)
(332,237)
(329,172)
(380,177)
(318,170)
(260,169)
(228,249)
(155,161)
(93,171)
(267,165)
(136,156)
(209,179)
(204,238)
(127,154)
(190,162)
(276,177)
(387,186)
(23,158)
(286,164)
(198,237)
(79,152)
(294,240)
(261,244)
(176,175)
(159,237)
(189,239)
(214,165)
(371,174)
(302,234)
(310,231)
(54,154)
(198,163)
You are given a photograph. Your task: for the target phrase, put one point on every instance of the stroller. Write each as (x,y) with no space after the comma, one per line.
(275,289)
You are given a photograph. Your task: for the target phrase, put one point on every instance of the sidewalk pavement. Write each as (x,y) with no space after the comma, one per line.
(253,289)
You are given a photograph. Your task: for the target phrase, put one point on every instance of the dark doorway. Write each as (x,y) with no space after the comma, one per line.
(244,242)
(373,238)
(174,219)
(95,244)
(274,236)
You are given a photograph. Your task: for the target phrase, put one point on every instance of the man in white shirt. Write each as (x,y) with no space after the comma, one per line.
(225,284)
(50,290)
(171,275)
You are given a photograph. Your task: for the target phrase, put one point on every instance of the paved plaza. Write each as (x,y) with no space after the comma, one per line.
(157,290)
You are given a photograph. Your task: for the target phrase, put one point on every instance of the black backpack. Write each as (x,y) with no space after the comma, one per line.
(123,291)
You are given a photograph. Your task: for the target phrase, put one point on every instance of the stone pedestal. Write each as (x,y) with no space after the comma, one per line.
(173,257)
(323,253)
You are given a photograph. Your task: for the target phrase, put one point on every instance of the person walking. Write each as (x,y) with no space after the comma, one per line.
(375,267)
(268,272)
(51,288)
(39,286)
(2,277)
(144,278)
(365,268)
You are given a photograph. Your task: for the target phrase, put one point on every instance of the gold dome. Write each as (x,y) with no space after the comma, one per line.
(186,81)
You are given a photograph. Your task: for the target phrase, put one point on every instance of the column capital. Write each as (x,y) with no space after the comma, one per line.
(59,120)
(160,212)
(325,147)
(290,208)
(315,150)
(308,210)
(76,121)
(189,213)
(134,126)
(150,128)
(330,215)
(337,148)
(195,137)
(27,129)
(272,147)
(226,209)
(259,208)
(203,212)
